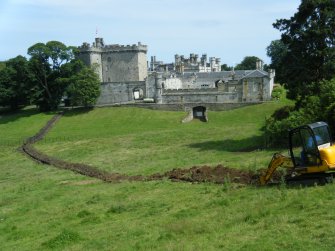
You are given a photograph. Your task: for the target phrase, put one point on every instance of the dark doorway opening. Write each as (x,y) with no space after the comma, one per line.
(199,112)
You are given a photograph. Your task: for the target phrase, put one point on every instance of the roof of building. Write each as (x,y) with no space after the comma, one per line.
(239,74)
(256,74)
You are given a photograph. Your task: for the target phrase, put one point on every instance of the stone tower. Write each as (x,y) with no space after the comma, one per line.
(91,55)
(116,63)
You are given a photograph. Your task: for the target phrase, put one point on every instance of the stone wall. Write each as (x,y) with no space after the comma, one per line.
(199,96)
(151,85)
(256,89)
(114,93)
(92,58)
(123,66)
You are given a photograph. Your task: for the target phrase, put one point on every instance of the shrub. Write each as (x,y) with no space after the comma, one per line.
(283,112)
(277,130)
(278,92)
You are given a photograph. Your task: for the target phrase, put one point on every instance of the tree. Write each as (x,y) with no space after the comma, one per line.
(84,87)
(310,40)
(225,67)
(46,63)
(277,51)
(2,65)
(312,108)
(248,63)
(15,80)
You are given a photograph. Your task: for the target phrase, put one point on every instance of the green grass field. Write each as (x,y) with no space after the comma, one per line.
(44,208)
(140,141)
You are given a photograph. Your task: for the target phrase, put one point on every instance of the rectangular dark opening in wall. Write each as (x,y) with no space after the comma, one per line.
(199,112)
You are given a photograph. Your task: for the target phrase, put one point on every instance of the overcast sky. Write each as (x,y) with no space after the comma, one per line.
(226,29)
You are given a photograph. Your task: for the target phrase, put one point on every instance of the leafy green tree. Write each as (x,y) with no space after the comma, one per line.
(46,63)
(248,63)
(327,102)
(310,40)
(287,118)
(15,83)
(2,65)
(312,108)
(277,51)
(307,65)
(225,67)
(84,87)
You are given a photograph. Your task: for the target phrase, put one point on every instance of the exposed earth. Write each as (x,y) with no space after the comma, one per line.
(219,174)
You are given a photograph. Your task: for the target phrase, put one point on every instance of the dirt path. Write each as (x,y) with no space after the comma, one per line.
(218,174)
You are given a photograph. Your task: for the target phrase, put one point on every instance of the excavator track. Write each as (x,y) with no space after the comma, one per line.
(310,179)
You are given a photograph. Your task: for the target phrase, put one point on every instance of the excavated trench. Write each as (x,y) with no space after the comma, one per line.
(219,174)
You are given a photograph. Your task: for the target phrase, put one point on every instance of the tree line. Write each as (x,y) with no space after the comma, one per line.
(304,60)
(248,63)
(51,75)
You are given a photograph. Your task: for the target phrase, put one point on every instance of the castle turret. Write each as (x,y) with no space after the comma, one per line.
(212,62)
(203,59)
(196,58)
(176,59)
(99,42)
(153,63)
(159,87)
(192,58)
(91,55)
(259,64)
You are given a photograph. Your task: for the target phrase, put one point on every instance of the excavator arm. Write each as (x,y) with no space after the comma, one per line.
(276,161)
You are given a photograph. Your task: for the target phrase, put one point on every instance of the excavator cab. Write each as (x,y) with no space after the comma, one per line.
(306,142)
(312,156)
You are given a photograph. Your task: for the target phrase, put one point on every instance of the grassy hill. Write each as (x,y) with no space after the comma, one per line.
(140,141)
(44,208)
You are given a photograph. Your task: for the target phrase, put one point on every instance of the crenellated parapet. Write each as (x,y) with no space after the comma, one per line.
(99,46)
(120,48)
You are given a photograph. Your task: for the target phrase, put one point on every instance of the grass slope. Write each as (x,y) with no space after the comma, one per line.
(43,208)
(139,141)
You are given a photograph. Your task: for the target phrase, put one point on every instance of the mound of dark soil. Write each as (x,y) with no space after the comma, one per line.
(219,174)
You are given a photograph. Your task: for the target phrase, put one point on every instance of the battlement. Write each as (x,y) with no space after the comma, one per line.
(118,48)
(99,46)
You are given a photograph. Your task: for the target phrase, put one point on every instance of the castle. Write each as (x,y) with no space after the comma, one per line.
(127,77)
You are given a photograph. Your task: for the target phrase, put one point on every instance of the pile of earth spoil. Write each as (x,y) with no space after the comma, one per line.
(219,174)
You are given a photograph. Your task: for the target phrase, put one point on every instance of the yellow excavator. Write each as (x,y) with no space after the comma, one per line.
(312,157)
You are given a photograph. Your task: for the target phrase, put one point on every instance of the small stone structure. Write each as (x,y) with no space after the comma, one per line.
(188,82)
(197,112)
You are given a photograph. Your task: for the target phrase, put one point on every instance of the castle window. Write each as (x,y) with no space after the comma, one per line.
(109,59)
